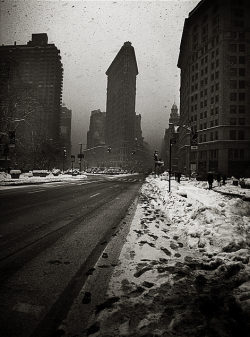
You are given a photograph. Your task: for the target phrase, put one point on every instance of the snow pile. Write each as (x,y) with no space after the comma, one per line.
(28,178)
(184,269)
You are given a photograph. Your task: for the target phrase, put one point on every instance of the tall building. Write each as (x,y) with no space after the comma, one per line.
(39,65)
(215,75)
(66,118)
(96,149)
(120,107)
(31,80)
(171,132)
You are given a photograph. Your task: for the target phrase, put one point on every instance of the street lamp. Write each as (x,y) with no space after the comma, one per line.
(172,141)
(80,157)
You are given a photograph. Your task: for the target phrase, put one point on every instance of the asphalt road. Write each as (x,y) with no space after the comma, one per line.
(51,236)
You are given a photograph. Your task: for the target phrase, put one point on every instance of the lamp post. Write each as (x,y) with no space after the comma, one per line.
(172,141)
(80,157)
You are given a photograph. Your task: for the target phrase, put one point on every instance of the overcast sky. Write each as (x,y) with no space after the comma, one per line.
(89,34)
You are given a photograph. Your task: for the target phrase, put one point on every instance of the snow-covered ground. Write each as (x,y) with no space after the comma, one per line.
(184,269)
(27,178)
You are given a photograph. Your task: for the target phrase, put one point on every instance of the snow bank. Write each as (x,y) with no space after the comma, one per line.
(184,269)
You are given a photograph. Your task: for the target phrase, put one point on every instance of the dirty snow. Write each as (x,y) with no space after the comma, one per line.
(184,269)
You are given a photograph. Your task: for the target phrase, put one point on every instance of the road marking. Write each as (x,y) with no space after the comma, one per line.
(92,196)
(36,191)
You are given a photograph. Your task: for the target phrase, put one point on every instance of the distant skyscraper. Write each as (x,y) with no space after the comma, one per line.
(66,117)
(96,133)
(171,132)
(120,108)
(39,65)
(214,95)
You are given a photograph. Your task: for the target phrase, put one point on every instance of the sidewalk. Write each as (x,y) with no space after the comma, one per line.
(184,268)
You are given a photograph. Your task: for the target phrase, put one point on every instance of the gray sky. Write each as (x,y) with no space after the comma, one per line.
(89,34)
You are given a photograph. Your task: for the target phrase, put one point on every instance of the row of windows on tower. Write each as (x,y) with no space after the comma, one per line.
(212,136)
(213,154)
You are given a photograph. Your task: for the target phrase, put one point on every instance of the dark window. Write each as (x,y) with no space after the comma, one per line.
(205,114)
(241,134)
(241,121)
(242,84)
(211,136)
(216,122)
(216,135)
(216,111)
(233,109)
(241,36)
(233,47)
(212,100)
(204,137)
(232,134)
(242,48)
(232,121)
(211,124)
(233,84)
(242,60)
(233,71)
(233,60)
(233,96)
(241,96)
(205,125)
(241,109)
(241,71)
(200,139)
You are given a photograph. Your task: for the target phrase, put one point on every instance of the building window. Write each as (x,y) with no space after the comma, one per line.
(241,71)
(241,121)
(212,100)
(233,84)
(241,36)
(233,109)
(205,125)
(211,136)
(204,137)
(216,135)
(217,98)
(233,60)
(212,112)
(242,60)
(241,96)
(216,122)
(233,71)
(233,96)
(232,134)
(233,47)
(241,84)
(211,124)
(200,139)
(216,110)
(241,109)
(232,121)
(241,134)
(205,114)
(201,115)
(242,48)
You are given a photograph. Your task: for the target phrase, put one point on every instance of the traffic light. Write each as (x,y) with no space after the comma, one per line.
(109,149)
(65,153)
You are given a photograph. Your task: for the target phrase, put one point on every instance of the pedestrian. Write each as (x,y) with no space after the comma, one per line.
(224,179)
(218,178)
(210,180)
(179,177)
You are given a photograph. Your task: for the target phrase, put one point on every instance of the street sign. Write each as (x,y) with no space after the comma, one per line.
(194,147)
(72,158)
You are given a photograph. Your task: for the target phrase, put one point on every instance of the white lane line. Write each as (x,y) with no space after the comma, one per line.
(36,191)
(92,196)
